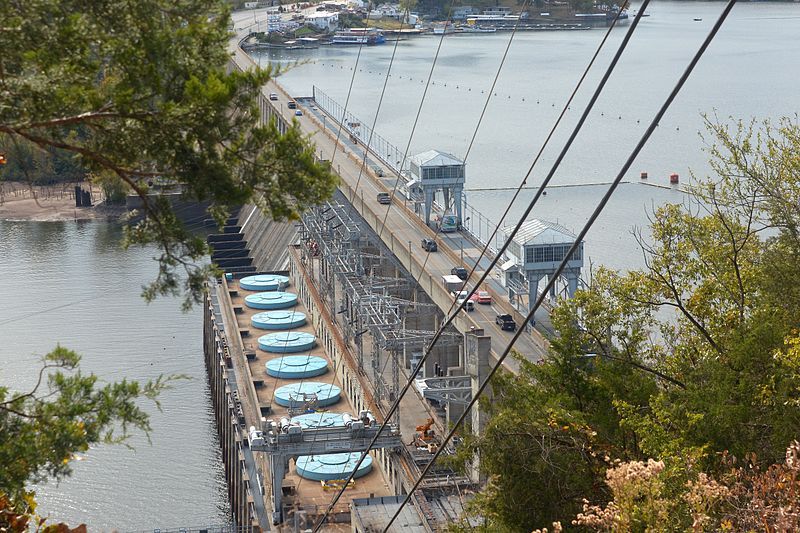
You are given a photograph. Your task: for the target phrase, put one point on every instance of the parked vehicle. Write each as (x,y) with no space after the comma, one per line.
(384,198)
(273,96)
(506,322)
(377,170)
(484,297)
(429,245)
(461,272)
(292,104)
(460,296)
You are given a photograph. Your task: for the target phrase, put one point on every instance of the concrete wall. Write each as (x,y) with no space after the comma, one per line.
(228,428)
(267,240)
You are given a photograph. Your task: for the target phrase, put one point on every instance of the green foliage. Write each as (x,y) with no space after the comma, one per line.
(349,20)
(114,189)
(140,90)
(64,414)
(689,361)
(36,166)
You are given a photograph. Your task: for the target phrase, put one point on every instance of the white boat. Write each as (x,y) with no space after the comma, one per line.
(476,29)
(443,28)
(368,36)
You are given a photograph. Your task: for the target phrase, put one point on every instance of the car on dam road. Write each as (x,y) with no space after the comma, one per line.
(273,96)
(384,198)
(461,272)
(460,296)
(429,245)
(506,322)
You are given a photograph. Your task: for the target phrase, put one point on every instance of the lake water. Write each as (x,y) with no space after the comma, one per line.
(70,283)
(749,71)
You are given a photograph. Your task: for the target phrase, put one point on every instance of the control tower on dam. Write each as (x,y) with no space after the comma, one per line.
(398,227)
(315,328)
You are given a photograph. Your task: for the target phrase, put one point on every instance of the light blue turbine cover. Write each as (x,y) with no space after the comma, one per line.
(297,366)
(283,319)
(292,395)
(270,300)
(319,420)
(264,282)
(287,342)
(332,466)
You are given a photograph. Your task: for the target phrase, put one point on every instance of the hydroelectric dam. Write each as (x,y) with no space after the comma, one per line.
(314,329)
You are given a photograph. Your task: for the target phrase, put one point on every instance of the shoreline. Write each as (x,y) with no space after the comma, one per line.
(21,202)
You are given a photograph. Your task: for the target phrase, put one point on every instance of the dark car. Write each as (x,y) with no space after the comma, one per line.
(292,105)
(429,245)
(384,198)
(506,322)
(461,272)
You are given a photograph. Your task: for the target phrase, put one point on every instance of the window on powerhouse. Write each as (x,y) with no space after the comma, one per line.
(549,254)
(438,173)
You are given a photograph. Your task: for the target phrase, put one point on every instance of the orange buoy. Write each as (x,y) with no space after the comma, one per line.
(673,178)
(643,175)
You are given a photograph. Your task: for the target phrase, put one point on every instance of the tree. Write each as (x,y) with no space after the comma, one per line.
(672,369)
(63,414)
(135,92)
(140,90)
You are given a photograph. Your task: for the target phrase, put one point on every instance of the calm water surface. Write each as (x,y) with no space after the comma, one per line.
(70,283)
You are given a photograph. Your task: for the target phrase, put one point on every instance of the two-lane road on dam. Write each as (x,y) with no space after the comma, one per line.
(404,230)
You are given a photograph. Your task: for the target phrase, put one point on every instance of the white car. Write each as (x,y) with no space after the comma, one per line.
(460,296)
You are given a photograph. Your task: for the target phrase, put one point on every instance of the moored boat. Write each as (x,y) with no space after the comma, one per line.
(368,36)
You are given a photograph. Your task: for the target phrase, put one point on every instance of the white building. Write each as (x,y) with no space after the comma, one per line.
(323,20)
(462,12)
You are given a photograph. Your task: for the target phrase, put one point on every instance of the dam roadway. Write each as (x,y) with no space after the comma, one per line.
(404,230)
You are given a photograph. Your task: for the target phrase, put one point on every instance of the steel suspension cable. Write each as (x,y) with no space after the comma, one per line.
(377,112)
(598,210)
(349,92)
(564,109)
(475,134)
(450,319)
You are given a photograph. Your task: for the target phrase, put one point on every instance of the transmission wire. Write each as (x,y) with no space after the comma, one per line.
(535,160)
(349,92)
(575,245)
(574,134)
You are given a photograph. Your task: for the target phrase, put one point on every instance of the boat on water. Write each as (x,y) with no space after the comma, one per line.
(477,29)
(368,36)
(443,28)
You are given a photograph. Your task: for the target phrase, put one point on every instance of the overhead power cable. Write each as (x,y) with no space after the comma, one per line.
(551,280)
(521,186)
(489,94)
(349,92)
(416,121)
(450,319)
(377,113)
